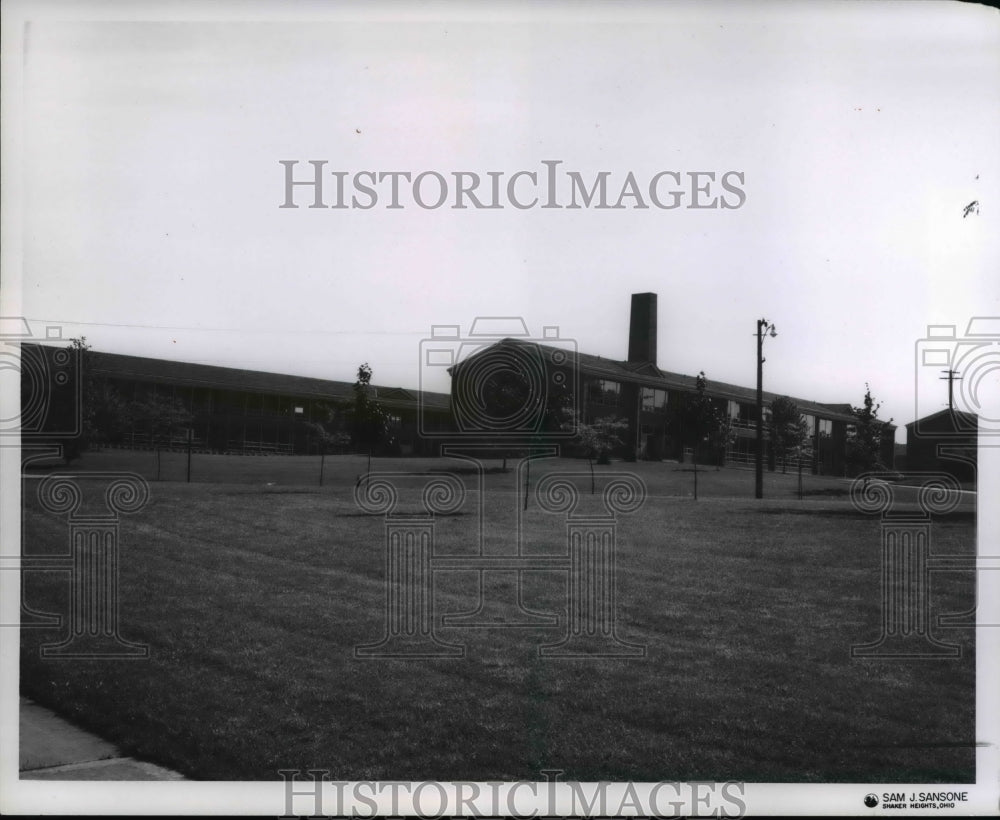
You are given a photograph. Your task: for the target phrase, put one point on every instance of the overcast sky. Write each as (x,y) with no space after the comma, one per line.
(151,183)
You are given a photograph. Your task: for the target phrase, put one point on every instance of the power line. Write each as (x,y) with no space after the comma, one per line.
(234,329)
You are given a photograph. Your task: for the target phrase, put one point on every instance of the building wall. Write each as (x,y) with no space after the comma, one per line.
(224,418)
(941,447)
(649,433)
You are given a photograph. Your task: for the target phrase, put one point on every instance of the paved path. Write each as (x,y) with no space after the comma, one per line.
(53,749)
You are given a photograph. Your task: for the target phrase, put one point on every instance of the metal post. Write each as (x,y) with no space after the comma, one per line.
(759,482)
(950,376)
(527,478)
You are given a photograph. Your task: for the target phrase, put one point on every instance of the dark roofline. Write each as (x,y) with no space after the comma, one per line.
(963,414)
(591,365)
(191,374)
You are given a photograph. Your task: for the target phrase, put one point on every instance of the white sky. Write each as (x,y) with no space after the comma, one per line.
(149,182)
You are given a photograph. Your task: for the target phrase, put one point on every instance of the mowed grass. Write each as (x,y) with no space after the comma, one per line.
(253,597)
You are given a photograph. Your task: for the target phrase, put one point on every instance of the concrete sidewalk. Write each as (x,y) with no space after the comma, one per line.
(53,749)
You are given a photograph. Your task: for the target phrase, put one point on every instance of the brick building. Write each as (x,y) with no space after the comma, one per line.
(234,410)
(639,392)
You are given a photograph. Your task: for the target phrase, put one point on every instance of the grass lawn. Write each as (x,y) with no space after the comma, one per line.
(253,585)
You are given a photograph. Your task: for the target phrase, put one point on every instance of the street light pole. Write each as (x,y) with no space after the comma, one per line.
(762,325)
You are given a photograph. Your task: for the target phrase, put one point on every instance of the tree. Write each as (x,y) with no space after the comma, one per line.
(788,430)
(697,421)
(368,421)
(864,438)
(324,441)
(804,452)
(722,434)
(597,440)
(165,416)
(105,415)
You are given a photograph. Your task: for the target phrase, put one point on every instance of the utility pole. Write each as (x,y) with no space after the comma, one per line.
(950,376)
(762,326)
(759,467)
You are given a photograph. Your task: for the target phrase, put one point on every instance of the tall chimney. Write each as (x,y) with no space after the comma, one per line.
(642,329)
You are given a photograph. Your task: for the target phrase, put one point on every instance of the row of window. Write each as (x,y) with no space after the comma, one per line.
(605,391)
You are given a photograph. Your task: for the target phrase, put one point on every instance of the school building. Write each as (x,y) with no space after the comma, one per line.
(252,412)
(232,410)
(639,392)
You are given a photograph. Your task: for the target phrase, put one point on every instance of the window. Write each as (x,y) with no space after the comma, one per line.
(653,398)
(604,391)
(810,423)
(743,413)
(825,427)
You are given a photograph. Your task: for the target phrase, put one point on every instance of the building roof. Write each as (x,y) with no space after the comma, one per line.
(846,409)
(188,374)
(649,375)
(967,420)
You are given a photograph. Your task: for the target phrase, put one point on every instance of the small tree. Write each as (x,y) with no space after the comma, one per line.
(107,413)
(104,413)
(369,423)
(597,440)
(164,416)
(722,435)
(697,421)
(804,452)
(324,441)
(864,439)
(788,430)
